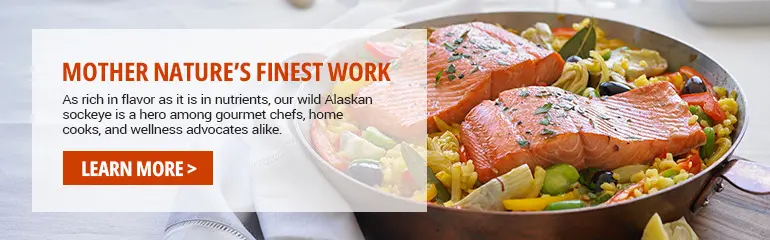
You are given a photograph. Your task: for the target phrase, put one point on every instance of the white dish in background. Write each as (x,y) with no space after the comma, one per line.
(728,12)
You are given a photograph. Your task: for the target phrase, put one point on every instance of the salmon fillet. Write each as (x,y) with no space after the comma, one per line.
(466,64)
(542,126)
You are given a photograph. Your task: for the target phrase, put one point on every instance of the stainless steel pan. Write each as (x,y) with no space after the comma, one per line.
(617,221)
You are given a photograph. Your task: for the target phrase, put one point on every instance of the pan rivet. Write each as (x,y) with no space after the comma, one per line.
(706,202)
(719,187)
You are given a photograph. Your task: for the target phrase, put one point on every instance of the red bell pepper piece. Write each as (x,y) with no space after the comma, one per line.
(625,194)
(383,51)
(692,163)
(563,32)
(697,163)
(688,72)
(708,103)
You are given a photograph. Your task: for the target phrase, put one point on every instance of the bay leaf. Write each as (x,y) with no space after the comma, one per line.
(581,43)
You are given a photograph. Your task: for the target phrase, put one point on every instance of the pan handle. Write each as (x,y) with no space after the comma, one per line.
(744,174)
(748,176)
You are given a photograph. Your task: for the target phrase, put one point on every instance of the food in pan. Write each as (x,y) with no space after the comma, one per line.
(548,119)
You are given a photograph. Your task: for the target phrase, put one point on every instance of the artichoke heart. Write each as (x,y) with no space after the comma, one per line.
(574,78)
(540,34)
(644,62)
(514,184)
(443,151)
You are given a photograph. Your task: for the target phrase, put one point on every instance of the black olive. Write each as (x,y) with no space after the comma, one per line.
(366,170)
(612,88)
(586,175)
(574,59)
(599,178)
(694,85)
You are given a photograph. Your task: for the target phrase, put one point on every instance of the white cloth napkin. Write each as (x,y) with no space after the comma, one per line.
(269,187)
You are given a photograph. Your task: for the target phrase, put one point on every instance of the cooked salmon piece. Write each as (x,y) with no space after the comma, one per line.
(542,126)
(512,60)
(399,107)
(466,64)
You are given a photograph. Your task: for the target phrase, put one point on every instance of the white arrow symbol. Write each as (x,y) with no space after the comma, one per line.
(192,168)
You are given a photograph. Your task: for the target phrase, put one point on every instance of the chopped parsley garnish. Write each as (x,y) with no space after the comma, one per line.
(465,33)
(543,93)
(459,40)
(543,109)
(522,142)
(505,108)
(451,77)
(438,76)
(546,120)
(524,93)
(567,106)
(461,76)
(451,68)
(485,47)
(449,34)
(475,69)
(449,47)
(456,56)
(547,131)
(581,111)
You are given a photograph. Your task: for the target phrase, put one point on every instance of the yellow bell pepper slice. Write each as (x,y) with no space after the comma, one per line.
(445,178)
(537,204)
(431,192)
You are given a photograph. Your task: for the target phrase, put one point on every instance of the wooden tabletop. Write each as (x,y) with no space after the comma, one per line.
(733,214)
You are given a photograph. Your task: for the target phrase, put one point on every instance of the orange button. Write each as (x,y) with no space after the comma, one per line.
(138,167)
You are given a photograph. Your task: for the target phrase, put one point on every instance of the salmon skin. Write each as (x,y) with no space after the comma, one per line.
(466,64)
(542,126)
